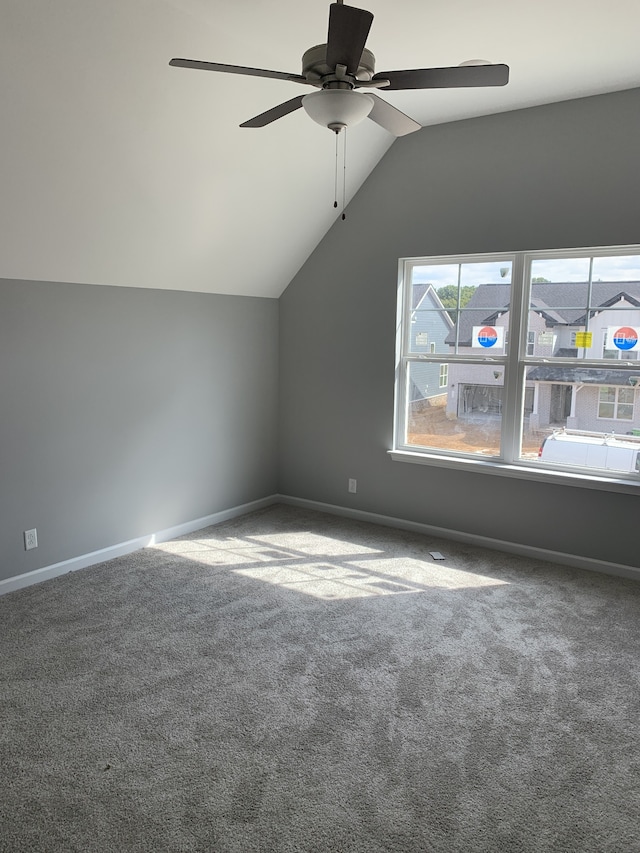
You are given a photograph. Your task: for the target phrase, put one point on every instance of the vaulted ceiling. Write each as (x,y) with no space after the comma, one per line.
(117,169)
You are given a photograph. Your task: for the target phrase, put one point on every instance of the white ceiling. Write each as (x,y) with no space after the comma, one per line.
(117,169)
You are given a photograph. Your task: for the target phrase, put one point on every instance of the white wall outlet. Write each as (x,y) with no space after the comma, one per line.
(353,486)
(30,539)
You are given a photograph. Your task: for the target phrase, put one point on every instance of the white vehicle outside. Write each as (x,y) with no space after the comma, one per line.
(605,451)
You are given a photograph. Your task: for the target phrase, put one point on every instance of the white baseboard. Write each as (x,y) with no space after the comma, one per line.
(122,548)
(576,562)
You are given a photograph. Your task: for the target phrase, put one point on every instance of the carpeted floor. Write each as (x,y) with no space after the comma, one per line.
(299,683)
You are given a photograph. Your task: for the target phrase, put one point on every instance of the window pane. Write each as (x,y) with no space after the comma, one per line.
(575,402)
(560,270)
(575,318)
(617,268)
(606,410)
(486,272)
(468,301)
(625,412)
(464,416)
(434,287)
(430,332)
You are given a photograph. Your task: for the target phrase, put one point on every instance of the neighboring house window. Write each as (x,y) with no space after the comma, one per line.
(531,342)
(502,402)
(616,403)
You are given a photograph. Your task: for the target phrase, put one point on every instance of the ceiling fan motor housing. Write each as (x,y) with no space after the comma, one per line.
(318,73)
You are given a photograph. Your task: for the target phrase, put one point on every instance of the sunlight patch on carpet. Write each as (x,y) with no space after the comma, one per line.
(359,579)
(324,567)
(314,544)
(328,581)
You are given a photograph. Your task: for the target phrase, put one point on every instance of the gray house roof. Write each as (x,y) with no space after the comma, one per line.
(417,293)
(421,293)
(560,303)
(487,302)
(582,376)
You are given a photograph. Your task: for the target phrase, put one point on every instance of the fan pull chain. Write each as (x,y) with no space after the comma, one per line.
(335,183)
(344,176)
(343,132)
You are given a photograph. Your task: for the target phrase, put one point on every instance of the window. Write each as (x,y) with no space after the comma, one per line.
(531,343)
(528,346)
(616,403)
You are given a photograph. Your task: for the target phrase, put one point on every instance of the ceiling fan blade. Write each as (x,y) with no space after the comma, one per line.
(236,69)
(446,78)
(274,113)
(392,119)
(348,31)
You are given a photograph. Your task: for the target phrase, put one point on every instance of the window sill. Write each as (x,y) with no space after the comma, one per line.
(519,471)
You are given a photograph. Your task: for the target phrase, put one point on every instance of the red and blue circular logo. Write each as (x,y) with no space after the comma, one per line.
(487,336)
(625,337)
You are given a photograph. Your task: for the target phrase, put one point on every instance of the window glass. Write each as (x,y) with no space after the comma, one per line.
(607,402)
(587,307)
(464,416)
(616,268)
(573,399)
(460,308)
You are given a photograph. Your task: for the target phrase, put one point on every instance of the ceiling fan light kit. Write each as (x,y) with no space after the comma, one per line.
(337,108)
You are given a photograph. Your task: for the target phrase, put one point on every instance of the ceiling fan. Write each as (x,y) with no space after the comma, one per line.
(343,65)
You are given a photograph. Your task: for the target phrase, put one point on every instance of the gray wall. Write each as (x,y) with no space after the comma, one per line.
(125,411)
(563,175)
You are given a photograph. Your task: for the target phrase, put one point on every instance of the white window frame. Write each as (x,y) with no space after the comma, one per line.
(514,362)
(443,377)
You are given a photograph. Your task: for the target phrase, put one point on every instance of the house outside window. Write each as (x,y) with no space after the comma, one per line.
(536,343)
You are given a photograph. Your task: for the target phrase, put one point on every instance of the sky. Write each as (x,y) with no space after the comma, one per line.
(612,268)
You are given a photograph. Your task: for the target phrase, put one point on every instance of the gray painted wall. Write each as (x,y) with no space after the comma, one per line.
(125,411)
(563,175)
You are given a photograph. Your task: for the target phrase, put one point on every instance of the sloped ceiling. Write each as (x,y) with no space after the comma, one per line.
(117,169)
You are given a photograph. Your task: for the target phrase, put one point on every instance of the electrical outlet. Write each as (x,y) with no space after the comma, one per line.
(353,486)
(30,539)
